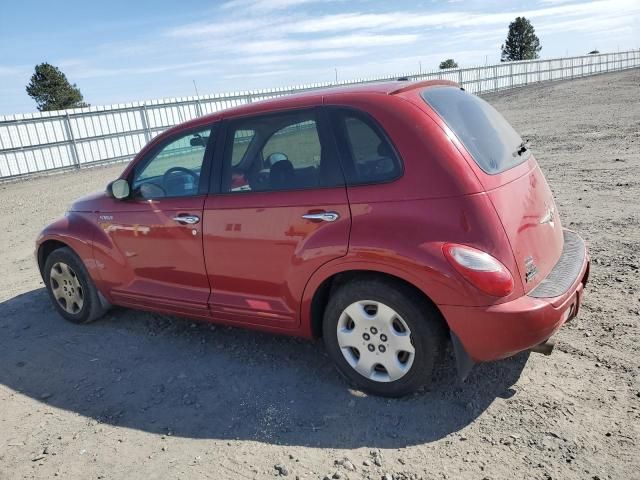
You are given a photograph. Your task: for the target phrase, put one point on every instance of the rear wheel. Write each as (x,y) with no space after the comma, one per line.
(383,337)
(70,287)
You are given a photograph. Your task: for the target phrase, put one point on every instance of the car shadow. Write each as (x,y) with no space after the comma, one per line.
(166,375)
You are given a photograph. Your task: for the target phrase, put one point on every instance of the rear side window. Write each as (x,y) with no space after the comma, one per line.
(367,154)
(279,152)
(491,141)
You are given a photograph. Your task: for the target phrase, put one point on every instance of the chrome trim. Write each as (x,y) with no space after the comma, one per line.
(323,216)
(548,217)
(187,219)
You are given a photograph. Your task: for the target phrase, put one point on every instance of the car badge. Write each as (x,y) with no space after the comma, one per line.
(530,269)
(548,217)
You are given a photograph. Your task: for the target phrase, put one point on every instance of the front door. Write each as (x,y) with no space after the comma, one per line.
(282,213)
(156,235)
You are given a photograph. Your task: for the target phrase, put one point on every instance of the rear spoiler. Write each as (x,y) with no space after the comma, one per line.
(424,84)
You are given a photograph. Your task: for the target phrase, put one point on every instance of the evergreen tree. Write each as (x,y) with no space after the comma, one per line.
(448,63)
(522,42)
(51,90)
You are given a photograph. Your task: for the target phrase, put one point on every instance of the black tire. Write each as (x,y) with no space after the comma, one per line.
(92,308)
(427,333)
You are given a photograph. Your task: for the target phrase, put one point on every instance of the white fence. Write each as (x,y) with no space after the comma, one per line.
(40,142)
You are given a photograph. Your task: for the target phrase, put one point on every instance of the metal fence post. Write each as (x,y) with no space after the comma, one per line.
(145,123)
(615,62)
(571,69)
(72,138)
(495,78)
(511,75)
(538,74)
(198,107)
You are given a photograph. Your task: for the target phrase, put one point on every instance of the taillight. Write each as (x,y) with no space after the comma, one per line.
(481,269)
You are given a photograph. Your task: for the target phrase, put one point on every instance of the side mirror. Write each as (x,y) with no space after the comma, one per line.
(119,189)
(198,141)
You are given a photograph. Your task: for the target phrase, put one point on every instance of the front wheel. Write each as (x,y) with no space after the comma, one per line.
(383,337)
(70,287)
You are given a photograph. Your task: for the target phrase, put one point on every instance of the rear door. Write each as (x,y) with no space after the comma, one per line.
(281,213)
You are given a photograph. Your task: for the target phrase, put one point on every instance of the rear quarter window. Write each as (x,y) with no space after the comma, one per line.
(367,154)
(488,137)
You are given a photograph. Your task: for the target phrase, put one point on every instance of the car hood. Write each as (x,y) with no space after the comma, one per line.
(89,203)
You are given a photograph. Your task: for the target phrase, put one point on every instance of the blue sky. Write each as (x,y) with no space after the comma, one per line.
(119,51)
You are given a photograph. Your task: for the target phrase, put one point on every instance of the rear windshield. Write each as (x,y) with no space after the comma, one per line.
(491,141)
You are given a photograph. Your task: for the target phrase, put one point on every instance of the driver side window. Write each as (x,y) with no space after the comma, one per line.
(174,170)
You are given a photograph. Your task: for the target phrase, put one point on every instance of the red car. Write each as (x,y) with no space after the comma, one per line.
(387,218)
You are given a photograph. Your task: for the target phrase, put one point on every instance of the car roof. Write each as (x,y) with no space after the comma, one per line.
(314,97)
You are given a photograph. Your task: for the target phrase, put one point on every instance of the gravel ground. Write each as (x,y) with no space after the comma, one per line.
(139,395)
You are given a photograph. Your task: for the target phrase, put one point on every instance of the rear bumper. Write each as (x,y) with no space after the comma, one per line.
(500,331)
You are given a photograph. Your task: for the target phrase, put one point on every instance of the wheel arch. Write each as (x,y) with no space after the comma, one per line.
(318,291)
(46,248)
(73,232)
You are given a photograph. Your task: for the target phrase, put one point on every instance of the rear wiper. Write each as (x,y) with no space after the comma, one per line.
(523,147)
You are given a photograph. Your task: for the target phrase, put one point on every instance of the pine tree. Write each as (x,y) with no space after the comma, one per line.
(522,42)
(448,63)
(51,90)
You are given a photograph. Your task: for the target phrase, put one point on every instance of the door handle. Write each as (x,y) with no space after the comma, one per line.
(322,216)
(187,219)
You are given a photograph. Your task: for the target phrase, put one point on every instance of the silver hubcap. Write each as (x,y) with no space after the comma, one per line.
(376,341)
(66,287)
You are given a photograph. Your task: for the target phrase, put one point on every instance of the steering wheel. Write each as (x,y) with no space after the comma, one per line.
(260,180)
(166,178)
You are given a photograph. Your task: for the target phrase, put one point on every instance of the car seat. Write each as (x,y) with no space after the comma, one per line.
(281,175)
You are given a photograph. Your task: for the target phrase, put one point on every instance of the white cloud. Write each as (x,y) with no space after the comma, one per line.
(386,21)
(401,20)
(595,24)
(268,34)
(216,28)
(264,5)
(361,41)
(279,59)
